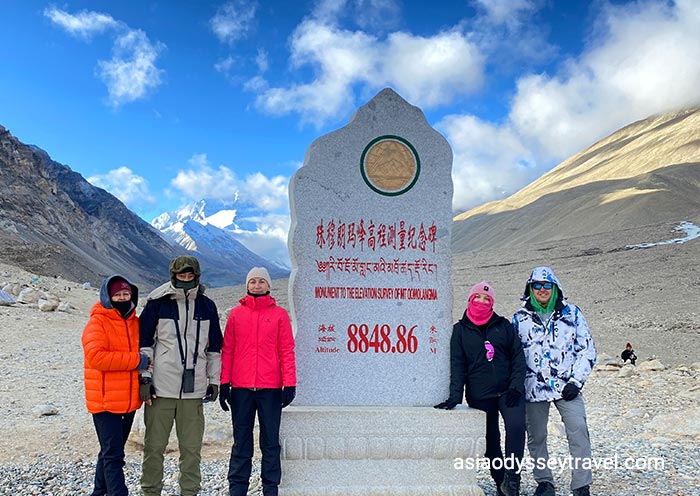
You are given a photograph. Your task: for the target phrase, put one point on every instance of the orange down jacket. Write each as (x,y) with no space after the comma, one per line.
(111,346)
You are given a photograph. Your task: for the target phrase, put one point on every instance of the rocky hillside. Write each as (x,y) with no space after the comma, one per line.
(53,222)
(644,174)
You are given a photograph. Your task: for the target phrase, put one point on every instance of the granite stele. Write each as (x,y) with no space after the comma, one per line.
(371,305)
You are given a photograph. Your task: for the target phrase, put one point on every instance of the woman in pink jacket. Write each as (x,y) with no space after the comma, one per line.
(258,374)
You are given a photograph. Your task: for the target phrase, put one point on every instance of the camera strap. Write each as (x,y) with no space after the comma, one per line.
(183,359)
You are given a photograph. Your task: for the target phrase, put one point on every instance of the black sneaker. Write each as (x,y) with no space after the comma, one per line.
(545,489)
(582,491)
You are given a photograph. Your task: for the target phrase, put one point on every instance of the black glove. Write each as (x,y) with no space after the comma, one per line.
(225,396)
(147,391)
(212,393)
(569,392)
(513,398)
(446,405)
(288,394)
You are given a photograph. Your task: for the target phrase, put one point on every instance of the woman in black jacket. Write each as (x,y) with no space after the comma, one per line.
(486,358)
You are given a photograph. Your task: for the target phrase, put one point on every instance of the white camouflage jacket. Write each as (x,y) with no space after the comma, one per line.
(558,351)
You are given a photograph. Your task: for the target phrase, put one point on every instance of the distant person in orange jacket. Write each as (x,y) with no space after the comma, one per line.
(258,374)
(112,361)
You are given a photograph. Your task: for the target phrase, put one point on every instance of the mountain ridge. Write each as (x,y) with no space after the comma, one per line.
(645,173)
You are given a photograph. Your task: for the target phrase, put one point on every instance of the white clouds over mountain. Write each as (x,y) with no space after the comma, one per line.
(641,61)
(130,188)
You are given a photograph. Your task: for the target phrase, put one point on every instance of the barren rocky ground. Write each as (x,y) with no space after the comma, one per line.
(650,297)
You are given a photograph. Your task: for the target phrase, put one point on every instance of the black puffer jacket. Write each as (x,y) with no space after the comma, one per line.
(469,366)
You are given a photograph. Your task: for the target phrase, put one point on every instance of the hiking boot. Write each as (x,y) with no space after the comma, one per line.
(545,489)
(582,491)
(511,485)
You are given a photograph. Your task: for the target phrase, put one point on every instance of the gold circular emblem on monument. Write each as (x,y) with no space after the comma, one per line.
(390,165)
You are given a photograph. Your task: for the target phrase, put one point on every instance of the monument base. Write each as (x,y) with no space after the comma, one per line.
(380,451)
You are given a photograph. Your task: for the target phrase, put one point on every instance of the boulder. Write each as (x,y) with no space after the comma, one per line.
(29,295)
(681,423)
(651,365)
(627,371)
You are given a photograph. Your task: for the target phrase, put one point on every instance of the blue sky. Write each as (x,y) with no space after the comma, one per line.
(168,102)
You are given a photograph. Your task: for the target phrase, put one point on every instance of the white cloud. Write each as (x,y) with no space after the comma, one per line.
(367,14)
(224,65)
(267,194)
(131,72)
(261,61)
(130,188)
(429,71)
(490,162)
(507,12)
(269,237)
(643,61)
(432,71)
(233,20)
(83,24)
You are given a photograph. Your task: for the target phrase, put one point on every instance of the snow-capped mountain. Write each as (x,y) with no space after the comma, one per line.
(207,228)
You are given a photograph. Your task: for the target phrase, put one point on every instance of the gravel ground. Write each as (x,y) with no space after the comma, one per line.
(648,297)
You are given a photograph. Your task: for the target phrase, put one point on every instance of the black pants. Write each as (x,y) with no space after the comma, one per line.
(112,432)
(514,421)
(268,405)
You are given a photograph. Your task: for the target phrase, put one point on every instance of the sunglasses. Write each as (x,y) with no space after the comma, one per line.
(542,285)
(490,351)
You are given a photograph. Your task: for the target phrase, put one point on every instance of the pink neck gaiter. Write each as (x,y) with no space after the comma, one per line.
(479,312)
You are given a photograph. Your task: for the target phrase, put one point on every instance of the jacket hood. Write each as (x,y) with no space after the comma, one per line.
(542,274)
(106,301)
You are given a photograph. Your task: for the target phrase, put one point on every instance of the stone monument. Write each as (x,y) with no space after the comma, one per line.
(371,306)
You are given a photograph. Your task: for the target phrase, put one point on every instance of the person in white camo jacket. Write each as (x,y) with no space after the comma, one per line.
(559,353)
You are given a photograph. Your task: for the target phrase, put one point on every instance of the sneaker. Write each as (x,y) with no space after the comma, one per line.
(545,489)
(510,485)
(582,491)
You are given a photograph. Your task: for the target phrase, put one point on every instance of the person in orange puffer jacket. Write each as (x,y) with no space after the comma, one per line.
(112,361)
(258,374)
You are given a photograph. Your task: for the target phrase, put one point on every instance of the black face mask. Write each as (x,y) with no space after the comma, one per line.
(186,285)
(258,295)
(124,307)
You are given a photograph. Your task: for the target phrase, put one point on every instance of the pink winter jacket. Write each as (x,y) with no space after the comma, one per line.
(258,350)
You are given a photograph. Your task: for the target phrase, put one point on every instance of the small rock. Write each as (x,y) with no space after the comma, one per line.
(48,304)
(45,410)
(87,285)
(627,371)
